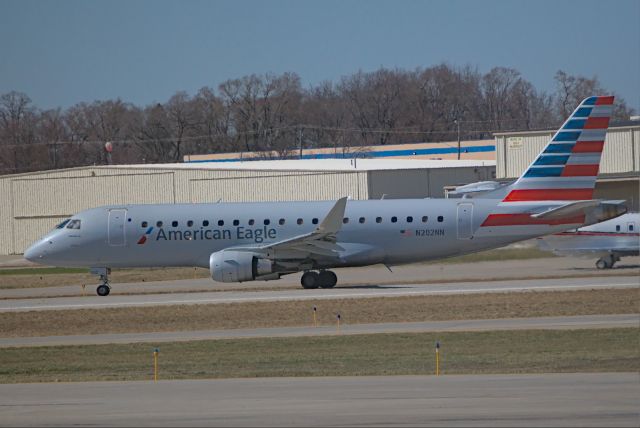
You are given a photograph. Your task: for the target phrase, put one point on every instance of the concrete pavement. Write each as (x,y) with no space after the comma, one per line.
(603,399)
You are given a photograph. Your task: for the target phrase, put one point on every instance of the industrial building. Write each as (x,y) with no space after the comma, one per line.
(34,202)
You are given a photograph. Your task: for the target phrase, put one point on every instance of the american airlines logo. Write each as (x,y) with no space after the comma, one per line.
(143,238)
(256,235)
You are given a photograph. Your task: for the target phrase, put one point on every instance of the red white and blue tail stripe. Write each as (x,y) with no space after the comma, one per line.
(567,168)
(563,173)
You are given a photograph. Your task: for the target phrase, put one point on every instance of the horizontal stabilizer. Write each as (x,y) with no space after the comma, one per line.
(567,210)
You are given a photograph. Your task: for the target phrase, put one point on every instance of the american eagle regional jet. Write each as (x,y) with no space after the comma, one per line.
(241,242)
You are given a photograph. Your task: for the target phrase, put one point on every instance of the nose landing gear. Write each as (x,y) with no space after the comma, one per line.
(103,289)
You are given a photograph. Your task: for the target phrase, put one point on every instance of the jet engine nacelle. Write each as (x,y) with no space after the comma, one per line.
(240,266)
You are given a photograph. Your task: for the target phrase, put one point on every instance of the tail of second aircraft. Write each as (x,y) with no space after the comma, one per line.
(557,188)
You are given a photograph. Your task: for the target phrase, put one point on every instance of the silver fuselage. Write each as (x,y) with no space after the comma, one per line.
(129,235)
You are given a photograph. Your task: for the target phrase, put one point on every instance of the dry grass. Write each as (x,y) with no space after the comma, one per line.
(299,313)
(36,278)
(529,351)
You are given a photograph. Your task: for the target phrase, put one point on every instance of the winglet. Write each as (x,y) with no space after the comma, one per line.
(333,221)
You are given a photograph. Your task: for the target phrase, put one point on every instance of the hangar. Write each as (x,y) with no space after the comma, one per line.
(34,202)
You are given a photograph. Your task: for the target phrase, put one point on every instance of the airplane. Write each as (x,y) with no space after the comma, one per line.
(241,242)
(609,240)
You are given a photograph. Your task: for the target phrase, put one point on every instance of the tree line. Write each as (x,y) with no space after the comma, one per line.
(276,115)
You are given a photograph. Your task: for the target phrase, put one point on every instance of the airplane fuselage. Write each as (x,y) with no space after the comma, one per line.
(381,231)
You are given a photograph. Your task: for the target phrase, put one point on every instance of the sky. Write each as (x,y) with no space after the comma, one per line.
(64,52)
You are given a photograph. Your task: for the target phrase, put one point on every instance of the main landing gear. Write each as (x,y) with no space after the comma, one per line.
(103,289)
(323,279)
(607,262)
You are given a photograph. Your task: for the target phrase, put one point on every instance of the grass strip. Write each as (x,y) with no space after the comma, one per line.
(41,271)
(55,277)
(299,313)
(529,351)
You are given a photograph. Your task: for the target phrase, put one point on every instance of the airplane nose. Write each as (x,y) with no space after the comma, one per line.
(36,252)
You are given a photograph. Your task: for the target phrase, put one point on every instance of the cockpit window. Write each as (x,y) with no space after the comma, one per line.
(63,224)
(74,224)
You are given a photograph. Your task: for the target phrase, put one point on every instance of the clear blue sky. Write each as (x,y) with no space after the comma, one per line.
(63,52)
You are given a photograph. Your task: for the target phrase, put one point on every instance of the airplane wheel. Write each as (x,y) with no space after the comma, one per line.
(310,280)
(103,290)
(328,279)
(604,263)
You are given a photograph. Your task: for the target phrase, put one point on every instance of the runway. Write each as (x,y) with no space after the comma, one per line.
(604,399)
(541,323)
(96,302)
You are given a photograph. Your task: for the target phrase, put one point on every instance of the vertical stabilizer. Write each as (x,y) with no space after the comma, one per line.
(567,168)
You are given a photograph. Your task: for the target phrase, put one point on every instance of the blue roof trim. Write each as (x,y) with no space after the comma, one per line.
(369,155)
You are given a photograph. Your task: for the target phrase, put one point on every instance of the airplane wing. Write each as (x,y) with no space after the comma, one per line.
(320,242)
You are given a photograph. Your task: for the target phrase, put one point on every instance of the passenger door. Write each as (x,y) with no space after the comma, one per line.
(465,220)
(116,229)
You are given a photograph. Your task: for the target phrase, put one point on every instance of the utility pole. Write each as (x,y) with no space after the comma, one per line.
(300,141)
(457,122)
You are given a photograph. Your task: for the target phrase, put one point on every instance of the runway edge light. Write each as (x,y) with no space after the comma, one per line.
(156,351)
(437,358)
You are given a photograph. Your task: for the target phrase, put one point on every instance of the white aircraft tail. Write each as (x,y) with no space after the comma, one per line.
(562,177)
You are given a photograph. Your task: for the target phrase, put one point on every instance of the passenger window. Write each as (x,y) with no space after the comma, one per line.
(394,219)
(345,220)
(618,228)
(236,222)
(378,219)
(144,224)
(220,222)
(266,222)
(440,219)
(251,222)
(190,223)
(409,219)
(361,220)
(424,218)
(158,224)
(281,222)
(300,221)
(314,221)
(205,223)
(174,223)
